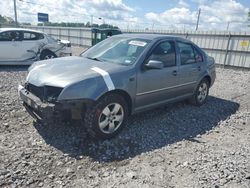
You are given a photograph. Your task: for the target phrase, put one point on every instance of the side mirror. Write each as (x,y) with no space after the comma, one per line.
(154,64)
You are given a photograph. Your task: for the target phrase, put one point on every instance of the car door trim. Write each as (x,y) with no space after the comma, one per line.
(106,77)
(162,89)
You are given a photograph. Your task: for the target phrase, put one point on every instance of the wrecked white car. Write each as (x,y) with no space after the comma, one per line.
(23,46)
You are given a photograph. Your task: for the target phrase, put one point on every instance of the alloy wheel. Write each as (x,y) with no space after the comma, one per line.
(202,92)
(111,118)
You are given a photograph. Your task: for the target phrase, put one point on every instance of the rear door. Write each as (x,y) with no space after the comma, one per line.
(190,67)
(10,45)
(155,86)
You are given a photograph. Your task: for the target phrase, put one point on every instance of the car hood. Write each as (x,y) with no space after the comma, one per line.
(61,72)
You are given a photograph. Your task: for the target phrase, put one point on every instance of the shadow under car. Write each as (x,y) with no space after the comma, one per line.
(143,132)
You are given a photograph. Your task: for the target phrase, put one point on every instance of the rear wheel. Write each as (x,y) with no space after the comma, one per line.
(107,117)
(201,93)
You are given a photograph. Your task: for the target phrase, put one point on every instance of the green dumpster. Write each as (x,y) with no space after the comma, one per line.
(101,34)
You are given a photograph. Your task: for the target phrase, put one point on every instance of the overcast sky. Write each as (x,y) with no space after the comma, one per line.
(157,14)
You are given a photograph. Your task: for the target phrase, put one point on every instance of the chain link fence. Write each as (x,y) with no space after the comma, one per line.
(228,48)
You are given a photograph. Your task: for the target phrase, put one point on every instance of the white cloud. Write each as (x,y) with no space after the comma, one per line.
(173,16)
(215,14)
(182,3)
(110,5)
(69,10)
(225,10)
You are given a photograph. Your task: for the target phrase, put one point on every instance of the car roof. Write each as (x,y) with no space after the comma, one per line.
(149,36)
(19,29)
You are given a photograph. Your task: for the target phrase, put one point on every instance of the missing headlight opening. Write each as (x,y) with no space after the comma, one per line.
(44,93)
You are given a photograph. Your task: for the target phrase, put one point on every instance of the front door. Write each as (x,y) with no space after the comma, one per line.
(154,86)
(10,45)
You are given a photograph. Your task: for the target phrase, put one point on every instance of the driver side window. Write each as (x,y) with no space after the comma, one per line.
(164,52)
(10,36)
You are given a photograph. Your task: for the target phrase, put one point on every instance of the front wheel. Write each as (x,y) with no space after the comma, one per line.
(201,93)
(107,117)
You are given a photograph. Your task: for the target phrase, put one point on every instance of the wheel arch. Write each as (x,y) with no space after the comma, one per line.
(48,51)
(123,94)
(208,79)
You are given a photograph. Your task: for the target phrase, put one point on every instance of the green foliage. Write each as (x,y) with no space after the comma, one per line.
(69,24)
(6,20)
(2,19)
(9,21)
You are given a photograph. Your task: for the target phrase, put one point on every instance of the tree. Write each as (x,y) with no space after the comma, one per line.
(2,19)
(88,24)
(6,20)
(72,24)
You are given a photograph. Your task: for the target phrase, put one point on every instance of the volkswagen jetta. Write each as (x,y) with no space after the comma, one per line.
(119,76)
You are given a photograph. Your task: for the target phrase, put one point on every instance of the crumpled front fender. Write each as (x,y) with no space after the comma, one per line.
(91,88)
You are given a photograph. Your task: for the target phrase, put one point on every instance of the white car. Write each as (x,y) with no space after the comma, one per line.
(23,46)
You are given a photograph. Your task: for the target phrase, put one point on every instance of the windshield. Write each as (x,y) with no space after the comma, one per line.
(51,39)
(120,50)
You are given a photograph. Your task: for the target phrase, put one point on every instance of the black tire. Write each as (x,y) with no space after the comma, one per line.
(94,114)
(196,99)
(46,54)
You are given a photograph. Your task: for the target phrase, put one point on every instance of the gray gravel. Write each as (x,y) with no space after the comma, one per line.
(174,146)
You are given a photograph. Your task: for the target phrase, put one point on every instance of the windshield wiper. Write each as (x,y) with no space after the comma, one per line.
(96,59)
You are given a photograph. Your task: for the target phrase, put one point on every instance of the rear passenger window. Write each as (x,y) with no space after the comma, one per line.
(164,52)
(198,56)
(32,36)
(187,53)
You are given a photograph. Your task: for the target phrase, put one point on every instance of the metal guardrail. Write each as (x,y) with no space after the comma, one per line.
(228,48)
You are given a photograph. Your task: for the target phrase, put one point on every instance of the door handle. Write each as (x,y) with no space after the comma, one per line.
(196,68)
(174,73)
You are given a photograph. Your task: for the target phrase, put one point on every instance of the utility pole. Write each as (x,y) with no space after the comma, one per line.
(228,24)
(91,21)
(15,12)
(198,20)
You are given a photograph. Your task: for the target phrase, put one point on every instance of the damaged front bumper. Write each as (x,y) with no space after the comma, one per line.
(63,110)
(35,107)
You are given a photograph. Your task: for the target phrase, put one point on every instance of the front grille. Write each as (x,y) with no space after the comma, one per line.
(37,91)
(44,93)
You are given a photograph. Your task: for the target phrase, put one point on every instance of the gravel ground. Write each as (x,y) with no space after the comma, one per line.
(174,146)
